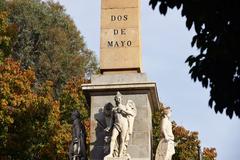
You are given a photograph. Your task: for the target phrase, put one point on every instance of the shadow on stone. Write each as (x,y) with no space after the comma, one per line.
(100,146)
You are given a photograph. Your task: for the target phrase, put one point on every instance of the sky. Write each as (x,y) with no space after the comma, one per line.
(166,43)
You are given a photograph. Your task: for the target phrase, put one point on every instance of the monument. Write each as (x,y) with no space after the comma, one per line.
(121,98)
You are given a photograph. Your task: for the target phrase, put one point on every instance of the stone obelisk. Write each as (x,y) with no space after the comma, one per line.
(120,36)
(121,72)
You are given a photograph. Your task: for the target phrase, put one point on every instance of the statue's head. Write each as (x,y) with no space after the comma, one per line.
(108,109)
(75,115)
(118,98)
(167,111)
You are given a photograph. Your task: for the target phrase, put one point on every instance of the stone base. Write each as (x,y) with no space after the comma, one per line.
(116,158)
(135,86)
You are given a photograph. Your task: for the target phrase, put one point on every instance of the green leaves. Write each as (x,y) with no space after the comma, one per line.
(7,33)
(217,37)
(153,3)
(49,41)
(33,116)
(189,23)
(209,153)
(163,8)
(38,95)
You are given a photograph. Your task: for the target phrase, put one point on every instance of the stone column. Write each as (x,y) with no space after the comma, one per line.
(120,36)
(121,70)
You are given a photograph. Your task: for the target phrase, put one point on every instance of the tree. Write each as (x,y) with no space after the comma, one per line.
(7,33)
(187,147)
(209,154)
(29,117)
(29,114)
(187,142)
(48,41)
(71,99)
(217,37)
(38,93)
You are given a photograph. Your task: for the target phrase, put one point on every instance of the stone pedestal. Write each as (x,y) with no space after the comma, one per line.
(135,87)
(116,158)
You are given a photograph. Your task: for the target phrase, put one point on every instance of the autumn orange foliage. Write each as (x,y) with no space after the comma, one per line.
(34,124)
(7,34)
(187,143)
(209,153)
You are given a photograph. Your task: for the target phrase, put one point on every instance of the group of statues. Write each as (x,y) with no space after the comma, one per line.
(118,131)
(120,127)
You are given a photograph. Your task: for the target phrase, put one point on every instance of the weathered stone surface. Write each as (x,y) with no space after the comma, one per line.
(139,146)
(119,78)
(140,152)
(106,4)
(142,125)
(120,18)
(121,58)
(116,158)
(140,138)
(108,84)
(120,36)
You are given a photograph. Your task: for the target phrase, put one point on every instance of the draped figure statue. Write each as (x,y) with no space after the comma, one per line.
(165,148)
(77,149)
